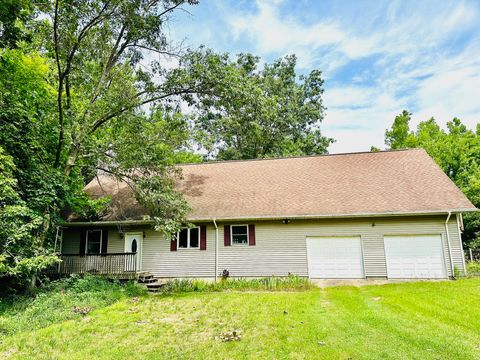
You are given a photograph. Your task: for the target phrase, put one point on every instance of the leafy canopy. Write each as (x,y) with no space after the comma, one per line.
(245,112)
(84,90)
(456,150)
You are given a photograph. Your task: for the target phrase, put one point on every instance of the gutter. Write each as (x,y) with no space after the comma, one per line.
(216,249)
(107,223)
(448,244)
(460,230)
(275,217)
(336,216)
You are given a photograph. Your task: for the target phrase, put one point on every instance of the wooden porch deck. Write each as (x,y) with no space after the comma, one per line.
(110,265)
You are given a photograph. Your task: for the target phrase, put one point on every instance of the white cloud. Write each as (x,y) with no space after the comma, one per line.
(377,58)
(273,34)
(357,117)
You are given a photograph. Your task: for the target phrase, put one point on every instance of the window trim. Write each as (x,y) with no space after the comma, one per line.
(188,239)
(86,241)
(231,235)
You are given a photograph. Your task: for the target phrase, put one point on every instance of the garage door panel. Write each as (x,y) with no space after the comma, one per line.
(415,256)
(335,257)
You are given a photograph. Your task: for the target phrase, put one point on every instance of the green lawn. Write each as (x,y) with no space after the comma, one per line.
(438,320)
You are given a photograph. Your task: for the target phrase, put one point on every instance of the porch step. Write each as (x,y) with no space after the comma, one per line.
(148,281)
(155,286)
(145,277)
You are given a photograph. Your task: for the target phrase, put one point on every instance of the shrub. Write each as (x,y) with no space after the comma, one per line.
(291,282)
(473,268)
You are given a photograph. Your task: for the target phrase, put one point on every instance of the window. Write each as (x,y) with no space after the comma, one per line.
(240,234)
(94,241)
(189,238)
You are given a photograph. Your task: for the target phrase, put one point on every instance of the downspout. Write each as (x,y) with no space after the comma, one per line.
(216,249)
(448,244)
(460,229)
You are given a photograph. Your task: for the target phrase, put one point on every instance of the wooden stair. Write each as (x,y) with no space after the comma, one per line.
(153,285)
(145,277)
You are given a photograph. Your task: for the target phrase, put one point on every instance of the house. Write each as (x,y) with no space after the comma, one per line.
(391,214)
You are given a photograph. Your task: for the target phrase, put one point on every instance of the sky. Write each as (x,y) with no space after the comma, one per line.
(377,57)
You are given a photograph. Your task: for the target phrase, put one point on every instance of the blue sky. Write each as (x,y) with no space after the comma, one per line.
(377,57)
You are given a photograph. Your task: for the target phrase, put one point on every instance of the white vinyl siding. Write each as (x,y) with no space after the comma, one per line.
(116,243)
(160,261)
(280,248)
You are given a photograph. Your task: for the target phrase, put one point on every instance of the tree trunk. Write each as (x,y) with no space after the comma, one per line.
(72,158)
(32,284)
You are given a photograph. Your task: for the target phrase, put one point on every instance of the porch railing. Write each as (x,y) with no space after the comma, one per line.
(113,265)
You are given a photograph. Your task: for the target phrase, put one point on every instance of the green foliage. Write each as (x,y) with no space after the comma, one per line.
(21,255)
(14,15)
(473,268)
(456,151)
(72,103)
(241,111)
(290,282)
(114,114)
(397,136)
(32,191)
(54,303)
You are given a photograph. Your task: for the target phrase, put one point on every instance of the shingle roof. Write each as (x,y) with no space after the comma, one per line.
(389,182)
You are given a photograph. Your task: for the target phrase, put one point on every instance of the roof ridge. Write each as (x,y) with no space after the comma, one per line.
(299,156)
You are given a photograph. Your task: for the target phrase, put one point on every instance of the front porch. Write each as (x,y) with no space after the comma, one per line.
(111,265)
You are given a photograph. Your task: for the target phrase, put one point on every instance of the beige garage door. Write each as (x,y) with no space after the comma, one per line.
(415,257)
(335,258)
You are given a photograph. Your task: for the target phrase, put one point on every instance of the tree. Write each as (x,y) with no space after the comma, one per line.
(89,94)
(105,87)
(30,187)
(456,151)
(397,136)
(98,47)
(245,112)
(100,91)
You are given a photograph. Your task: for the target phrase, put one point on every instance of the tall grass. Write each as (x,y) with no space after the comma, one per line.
(55,302)
(290,283)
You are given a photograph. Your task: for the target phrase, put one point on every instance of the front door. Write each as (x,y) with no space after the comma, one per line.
(133,244)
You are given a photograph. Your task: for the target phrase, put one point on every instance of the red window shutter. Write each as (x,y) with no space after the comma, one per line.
(83,241)
(203,237)
(173,243)
(251,234)
(226,235)
(104,241)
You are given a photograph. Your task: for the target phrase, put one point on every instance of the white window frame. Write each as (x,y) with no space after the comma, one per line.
(188,239)
(231,235)
(86,241)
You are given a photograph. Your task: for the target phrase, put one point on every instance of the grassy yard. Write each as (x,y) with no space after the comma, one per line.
(438,320)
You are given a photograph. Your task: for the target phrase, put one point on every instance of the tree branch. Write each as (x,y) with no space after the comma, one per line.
(64,74)
(108,65)
(169,9)
(122,110)
(162,52)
